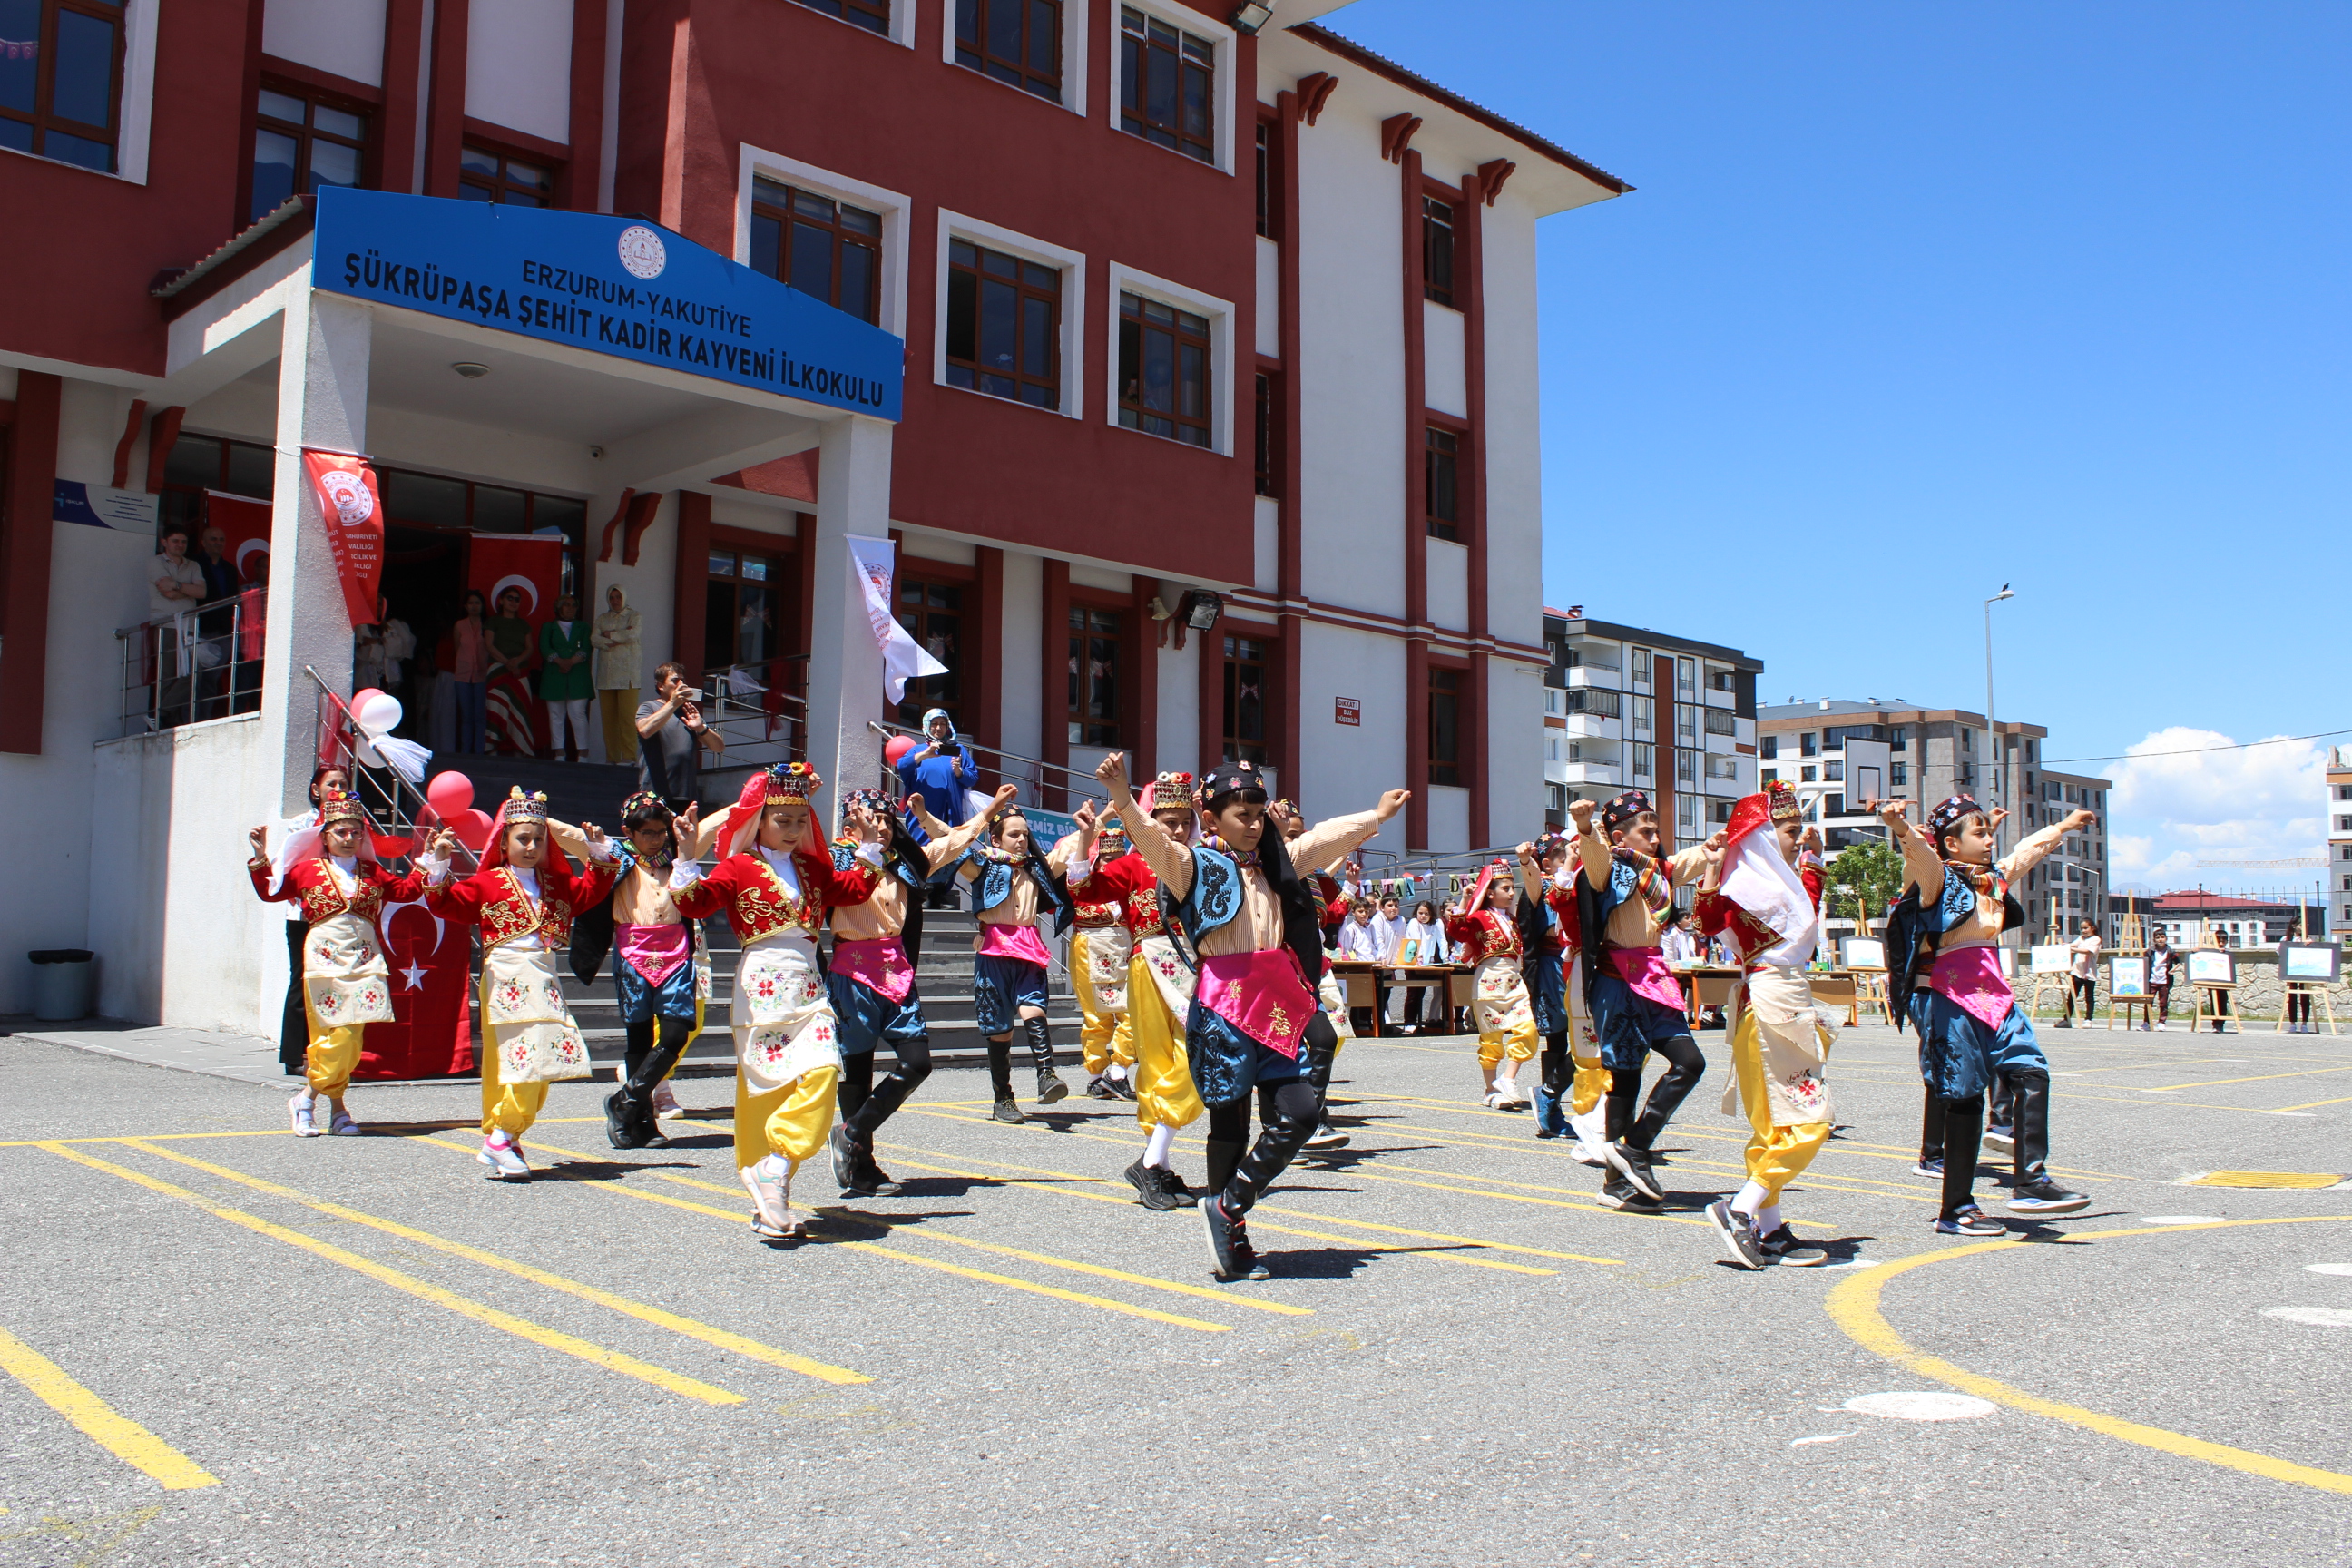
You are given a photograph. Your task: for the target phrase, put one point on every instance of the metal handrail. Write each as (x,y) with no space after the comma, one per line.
(142,704)
(334,739)
(1027,776)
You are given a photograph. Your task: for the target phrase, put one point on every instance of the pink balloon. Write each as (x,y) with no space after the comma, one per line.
(359,700)
(897,747)
(449,793)
(472,828)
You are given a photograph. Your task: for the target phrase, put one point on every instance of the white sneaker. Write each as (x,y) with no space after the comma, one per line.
(664,1102)
(343,1126)
(1586,1154)
(1494,1100)
(769,1183)
(305,1124)
(505,1161)
(2162,1026)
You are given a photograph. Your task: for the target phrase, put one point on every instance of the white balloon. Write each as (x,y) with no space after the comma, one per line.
(381,713)
(366,754)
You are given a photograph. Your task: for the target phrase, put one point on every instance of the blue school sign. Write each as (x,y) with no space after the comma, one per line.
(615,285)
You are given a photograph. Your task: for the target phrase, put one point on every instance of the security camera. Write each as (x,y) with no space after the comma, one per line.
(595,451)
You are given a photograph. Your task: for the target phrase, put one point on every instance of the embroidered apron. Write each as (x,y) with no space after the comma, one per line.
(343,973)
(522,1003)
(783,1024)
(1971,978)
(1263,995)
(1335,1007)
(1106,950)
(1500,1001)
(1170,976)
(877,963)
(1791,1040)
(1645,970)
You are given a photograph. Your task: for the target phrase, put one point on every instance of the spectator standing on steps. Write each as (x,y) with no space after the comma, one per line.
(617,642)
(564,681)
(672,739)
(175,585)
(940,773)
(469,676)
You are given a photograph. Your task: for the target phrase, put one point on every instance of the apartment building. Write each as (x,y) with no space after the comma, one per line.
(2339,835)
(1625,708)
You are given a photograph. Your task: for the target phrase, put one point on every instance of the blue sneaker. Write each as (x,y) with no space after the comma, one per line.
(1928,1168)
(1551,1121)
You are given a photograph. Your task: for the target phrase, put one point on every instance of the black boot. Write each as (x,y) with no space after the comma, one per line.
(2033,1191)
(1963,1127)
(619,1129)
(1050,1087)
(1231,1256)
(999,1078)
(645,1075)
(1222,1158)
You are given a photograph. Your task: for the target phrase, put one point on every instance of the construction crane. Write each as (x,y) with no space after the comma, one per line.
(2293,862)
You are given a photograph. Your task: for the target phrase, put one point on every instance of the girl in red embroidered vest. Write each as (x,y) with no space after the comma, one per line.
(332,875)
(523,898)
(1485,932)
(776,887)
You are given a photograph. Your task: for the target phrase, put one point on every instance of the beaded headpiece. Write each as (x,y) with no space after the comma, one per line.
(1949,815)
(521,807)
(873,800)
(792,784)
(1628,805)
(1231,778)
(336,805)
(1781,800)
(1169,790)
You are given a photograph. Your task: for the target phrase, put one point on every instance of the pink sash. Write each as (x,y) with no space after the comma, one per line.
(877,963)
(1012,942)
(1971,977)
(1263,995)
(1644,969)
(653,951)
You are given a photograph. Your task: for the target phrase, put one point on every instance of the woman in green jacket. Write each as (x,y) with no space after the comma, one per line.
(566,682)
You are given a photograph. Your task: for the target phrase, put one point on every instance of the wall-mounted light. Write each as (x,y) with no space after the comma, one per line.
(1248,17)
(1201,609)
(470,370)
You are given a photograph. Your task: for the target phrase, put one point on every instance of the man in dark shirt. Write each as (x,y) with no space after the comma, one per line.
(672,739)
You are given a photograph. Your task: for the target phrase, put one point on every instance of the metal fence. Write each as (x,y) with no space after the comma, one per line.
(185,668)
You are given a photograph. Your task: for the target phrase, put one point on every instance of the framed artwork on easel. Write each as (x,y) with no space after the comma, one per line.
(2316,963)
(2212,966)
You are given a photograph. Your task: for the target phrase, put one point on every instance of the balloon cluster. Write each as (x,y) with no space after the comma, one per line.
(451,796)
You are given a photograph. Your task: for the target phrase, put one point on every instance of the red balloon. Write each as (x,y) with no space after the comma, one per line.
(388,845)
(449,793)
(472,828)
(359,698)
(897,747)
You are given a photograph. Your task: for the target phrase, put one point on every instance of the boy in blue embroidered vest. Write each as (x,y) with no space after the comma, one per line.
(1943,948)
(1255,932)
(1011,886)
(871,981)
(1626,897)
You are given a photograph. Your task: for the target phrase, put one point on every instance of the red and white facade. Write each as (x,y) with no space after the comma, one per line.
(1334,261)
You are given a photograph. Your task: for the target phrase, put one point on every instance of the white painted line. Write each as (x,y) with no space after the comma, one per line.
(2180,1219)
(1851,1263)
(1921,1406)
(1825,1437)
(2317,1317)
(2328,1268)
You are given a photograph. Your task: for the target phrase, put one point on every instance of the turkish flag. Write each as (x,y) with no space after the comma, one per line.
(531,562)
(432,1031)
(353,514)
(245,522)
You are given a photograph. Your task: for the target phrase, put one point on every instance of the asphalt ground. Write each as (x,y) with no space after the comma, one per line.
(228,1345)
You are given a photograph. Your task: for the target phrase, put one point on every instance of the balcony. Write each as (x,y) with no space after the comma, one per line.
(1596,726)
(1599,677)
(1608,774)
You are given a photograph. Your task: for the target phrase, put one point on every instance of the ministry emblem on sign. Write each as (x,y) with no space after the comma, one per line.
(642,252)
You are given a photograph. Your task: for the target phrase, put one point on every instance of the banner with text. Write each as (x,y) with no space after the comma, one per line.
(353,513)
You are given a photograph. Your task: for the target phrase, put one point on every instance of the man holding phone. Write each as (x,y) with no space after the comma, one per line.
(674,737)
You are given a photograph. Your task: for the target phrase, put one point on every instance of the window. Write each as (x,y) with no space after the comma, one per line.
(1686,766)
(1968,740)
(1644,709)
(303,142)
(1685,679)
(1247,662)
(2344,792)
(1808,744)
(1686,726)
(1769,746)
(60,79)
(1004,325)
(932,613)
(1015,41)
(1444,726)
(1644,661)
(1268,453)
(1767,775)
(1722,767)
(1643,760)
(1164,370)
(1266,195)
(1834,772)
(874,16)
(1437,250)
(1441,483)
(826,249)
(1167,85)
(1094,676)
(742,605)
(200,463)
(1596,700)
(1899,738)
(1718,722)
(1808,774)
(1898,772)
(486,176)
(1718,679)
(1833,805)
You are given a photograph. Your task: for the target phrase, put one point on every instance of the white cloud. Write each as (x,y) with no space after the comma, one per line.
(2173,804)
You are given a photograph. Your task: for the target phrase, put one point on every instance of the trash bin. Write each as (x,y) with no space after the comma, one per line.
(63,979)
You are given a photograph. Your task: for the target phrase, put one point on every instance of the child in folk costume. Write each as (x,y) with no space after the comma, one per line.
(871,980)
(1159,993)
(1255,932)
(1626,898)
(1325,1138)
(328,869)
(1485,932)
(661,966)
(523,897)
(776,884)
(1943,951)
(1100,949)
(1766,901)
(1013,885)
(1574,1080)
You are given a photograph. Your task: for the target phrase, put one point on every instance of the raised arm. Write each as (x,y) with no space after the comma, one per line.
(2033,849)
(1923,868)
(1327,842)
(948,844)
(1592,858)
(1170,861)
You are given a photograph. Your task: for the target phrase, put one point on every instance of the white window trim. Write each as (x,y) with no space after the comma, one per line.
(1070,264)
(1075,16)
(897,213)
(134,114)
(902,22)
(1126,280)
(1227,68)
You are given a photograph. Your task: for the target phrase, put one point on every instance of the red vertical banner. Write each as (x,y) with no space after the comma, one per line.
(246,522)
(353,513)
(431,1034)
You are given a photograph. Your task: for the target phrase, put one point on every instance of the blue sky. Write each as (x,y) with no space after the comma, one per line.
(1913,300)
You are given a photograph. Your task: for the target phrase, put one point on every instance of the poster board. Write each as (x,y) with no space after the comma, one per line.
(1409,951)
(2127,976)
(2007,962)
(2314,963)
(2054,958)
(1861,952)
(2212,966)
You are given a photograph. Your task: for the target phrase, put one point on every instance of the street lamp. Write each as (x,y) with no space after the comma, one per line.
(2000,757)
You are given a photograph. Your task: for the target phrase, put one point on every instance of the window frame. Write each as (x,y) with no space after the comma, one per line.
(1132,411)
(42,119)
(1071,57)
(1070,264)
(1267,433)
(1123,701)
(1221,85)
(759,163)
(788,215)
(965,582)
(1269,663)
(1457,686)
(1449,294)
(1435,438)
(1026,291)
(313,95)
(1125,279)
(554,168)
(894,13)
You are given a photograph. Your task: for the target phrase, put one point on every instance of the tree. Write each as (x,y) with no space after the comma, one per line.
(1867,875)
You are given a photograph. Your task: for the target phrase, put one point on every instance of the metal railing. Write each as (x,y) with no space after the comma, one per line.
(761,722)
(198,664)
(396,807)
(1047,786)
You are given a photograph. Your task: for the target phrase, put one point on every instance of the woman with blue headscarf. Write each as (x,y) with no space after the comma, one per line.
(940,774)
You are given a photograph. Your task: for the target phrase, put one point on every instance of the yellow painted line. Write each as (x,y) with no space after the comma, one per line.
(2316,1104)
(735,1216)
(537,1334)
(1868,1184)
(1440,1236)
(1358,1174)
(2296,1181)
(1852,1305)
(752,1349)
(117,1434)
(45,1143)
(2258,1077)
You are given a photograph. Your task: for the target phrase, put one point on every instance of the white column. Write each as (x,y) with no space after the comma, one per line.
(322,392)
(845,688)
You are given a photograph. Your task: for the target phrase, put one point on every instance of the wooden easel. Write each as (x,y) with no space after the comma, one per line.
(2131,942)
(2306,988)
(2066,982)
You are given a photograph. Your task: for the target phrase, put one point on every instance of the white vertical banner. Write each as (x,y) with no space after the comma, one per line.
(903,658)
